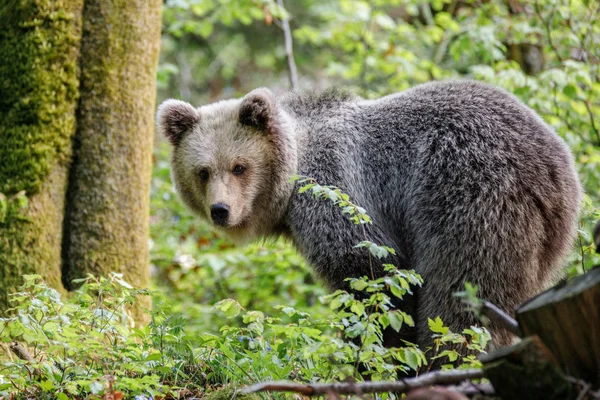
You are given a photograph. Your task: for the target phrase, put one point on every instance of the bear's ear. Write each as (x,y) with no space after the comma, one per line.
(174,118)
(258,110)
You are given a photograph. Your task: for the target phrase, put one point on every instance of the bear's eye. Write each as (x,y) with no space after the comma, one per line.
(203,174)
(238,170)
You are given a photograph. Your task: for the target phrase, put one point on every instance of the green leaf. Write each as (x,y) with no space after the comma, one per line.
(46,385)
(437,326)
(408,320)
(357,308)
(411,358)
(154,357)
(3,207)
(21,199)
(570,91)
(205,28)
(355,330)
(358,284)
(451,354)
(306,187)
(229,307)
(395,319)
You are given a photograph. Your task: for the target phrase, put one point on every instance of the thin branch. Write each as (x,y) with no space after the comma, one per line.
(500,318)
(402,386)
(592,120)
(557,109)
(365,42)
(21,352)
(467,389)
(425,10)
(547,24)
(583,271)
(585,388)
(584,391)
(289,50)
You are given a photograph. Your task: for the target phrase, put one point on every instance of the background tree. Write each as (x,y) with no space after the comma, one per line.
(75,72)
(39,48)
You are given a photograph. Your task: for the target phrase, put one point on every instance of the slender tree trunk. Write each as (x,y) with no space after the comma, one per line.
(39,46)
(106,228)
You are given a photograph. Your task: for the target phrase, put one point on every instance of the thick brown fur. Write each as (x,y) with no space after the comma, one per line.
(462,179)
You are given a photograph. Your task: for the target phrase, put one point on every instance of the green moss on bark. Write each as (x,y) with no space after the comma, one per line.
(39,45)
(39,41)
(108,199)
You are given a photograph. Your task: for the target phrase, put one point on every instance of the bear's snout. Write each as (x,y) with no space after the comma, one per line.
(219,213)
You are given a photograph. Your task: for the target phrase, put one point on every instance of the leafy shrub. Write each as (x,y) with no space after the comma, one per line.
(65,348)
(89,346)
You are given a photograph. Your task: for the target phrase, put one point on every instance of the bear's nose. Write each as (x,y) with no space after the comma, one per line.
(219,213)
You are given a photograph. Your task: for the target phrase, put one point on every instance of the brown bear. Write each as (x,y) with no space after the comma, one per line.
(461,178)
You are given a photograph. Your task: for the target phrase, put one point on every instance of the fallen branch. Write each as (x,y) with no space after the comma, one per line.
(584,389)
(401,386)
(464,391)
(525,370)
(21,352)
(500,318)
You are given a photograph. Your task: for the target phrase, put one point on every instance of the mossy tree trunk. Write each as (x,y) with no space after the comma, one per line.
(76,124)
(39,47)
(108,202)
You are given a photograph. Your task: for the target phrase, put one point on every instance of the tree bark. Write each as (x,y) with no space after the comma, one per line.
(106,228)
(39,47)
(567,319)
(526,370)
(77,84)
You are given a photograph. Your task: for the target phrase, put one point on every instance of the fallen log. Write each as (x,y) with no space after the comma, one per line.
(527,370)
(567,320)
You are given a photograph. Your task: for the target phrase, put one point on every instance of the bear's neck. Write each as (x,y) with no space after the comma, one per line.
(299,116)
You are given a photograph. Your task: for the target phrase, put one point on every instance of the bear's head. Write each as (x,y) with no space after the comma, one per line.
(232,161)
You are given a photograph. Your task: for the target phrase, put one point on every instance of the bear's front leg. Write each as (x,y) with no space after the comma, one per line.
(328,239)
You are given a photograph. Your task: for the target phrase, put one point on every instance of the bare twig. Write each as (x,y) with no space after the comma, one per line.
(289,51)
(21,352)
(585,389)
(557,109)
(547,24)
(582,254)
(500,318)
(402,386)
(366,47)
(592,121)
